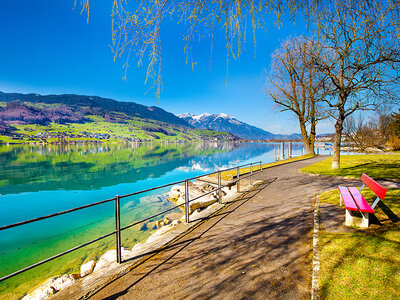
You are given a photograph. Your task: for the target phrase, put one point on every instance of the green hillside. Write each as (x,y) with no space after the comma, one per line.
(28,122)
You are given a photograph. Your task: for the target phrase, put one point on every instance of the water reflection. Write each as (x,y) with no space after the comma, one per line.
(37,180)
(28,168)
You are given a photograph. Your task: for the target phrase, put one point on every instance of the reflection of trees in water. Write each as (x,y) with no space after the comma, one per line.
(236,155)
(29,168)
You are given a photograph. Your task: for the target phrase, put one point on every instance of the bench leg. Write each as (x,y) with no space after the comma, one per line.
(356,218)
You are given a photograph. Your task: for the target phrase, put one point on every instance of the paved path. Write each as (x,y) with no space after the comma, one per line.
(257,248)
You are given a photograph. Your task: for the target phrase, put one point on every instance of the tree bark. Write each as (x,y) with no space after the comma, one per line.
(308,141)
(336,143)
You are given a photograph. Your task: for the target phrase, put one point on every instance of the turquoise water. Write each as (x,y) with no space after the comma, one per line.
(40,180)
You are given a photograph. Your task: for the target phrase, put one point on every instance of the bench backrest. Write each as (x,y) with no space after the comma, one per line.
(379,190)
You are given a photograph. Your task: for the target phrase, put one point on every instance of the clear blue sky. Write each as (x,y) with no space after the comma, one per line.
(48,48)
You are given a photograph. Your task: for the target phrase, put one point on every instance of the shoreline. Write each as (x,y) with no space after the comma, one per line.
(106,265)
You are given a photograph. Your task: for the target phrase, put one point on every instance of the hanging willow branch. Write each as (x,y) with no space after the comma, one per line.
(136,25)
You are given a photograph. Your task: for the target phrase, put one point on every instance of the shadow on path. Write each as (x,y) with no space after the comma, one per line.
(183,241)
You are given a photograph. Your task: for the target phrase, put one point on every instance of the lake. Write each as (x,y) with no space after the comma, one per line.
(37,180)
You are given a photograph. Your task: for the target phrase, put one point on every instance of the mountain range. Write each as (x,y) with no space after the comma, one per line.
(224,122)
(33,118)
(98,105)
(71,116)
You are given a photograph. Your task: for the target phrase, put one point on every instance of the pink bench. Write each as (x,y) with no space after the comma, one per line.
(357,208)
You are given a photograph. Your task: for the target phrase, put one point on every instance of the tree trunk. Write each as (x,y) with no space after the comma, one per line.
(312,128)
(308,142)
(336,143)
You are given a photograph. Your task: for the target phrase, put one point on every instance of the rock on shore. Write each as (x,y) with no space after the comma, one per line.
(87,268)
(51,286)
(177,195)
(111,256)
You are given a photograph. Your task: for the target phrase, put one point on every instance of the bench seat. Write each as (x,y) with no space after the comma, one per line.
(357,208)
(360,201)
(347,198)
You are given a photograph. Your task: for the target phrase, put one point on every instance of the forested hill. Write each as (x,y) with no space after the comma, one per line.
(98,106)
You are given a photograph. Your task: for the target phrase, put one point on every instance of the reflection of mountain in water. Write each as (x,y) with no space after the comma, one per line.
(235,156)
(82,167)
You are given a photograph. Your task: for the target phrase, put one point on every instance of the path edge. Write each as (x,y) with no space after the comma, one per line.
(315,258)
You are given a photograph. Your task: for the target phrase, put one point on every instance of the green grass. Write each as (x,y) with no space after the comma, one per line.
(376,166)
(362,264)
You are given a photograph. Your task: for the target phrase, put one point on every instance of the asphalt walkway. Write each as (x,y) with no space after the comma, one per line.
(259,247)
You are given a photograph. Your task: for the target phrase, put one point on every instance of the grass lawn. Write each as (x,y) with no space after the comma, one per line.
(375,166)
(227,175)
(362,264)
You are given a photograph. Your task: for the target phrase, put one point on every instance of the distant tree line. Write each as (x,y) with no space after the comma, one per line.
(381,132)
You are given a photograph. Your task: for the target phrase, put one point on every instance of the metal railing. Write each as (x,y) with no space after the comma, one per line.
(117,212)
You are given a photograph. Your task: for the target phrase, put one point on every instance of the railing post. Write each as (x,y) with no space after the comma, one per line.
(290,150)
(118,228)
(219,188)
(261,166)
(238,180)
(251,174)
(186,201)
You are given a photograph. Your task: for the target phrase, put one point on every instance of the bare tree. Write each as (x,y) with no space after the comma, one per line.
(361,58)
(296,85)
(363,134)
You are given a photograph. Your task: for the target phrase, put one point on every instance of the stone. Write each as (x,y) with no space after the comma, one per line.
(63,281)
(51,286)
(174,216)
(167,221)
(206,186)
(111,256)
(202,202)
(151,225)
(137,247)
(176,222)
(160,223)
(87,268)
(174,193)
(43,292)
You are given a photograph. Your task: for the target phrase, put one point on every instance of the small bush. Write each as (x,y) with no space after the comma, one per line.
(394,143)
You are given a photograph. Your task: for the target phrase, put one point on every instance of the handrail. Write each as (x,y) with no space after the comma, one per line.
(118,229)
(55,214)
(56,256)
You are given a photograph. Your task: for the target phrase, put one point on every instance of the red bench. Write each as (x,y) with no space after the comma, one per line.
(357,208)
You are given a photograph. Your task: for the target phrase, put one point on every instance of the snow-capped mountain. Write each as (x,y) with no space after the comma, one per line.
(224,122)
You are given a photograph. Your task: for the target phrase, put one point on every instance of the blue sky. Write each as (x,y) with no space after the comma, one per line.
(48,48)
